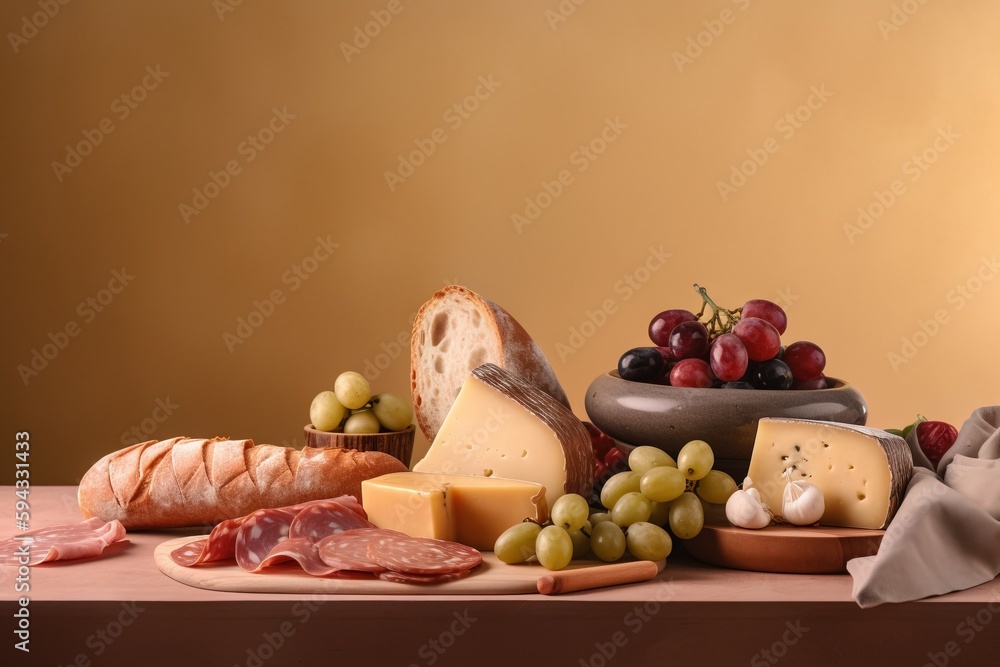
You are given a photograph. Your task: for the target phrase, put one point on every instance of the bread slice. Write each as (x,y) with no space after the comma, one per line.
(458,330)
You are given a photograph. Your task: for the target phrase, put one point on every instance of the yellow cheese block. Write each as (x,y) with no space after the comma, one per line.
(500,426)
(862,472)
(460,508)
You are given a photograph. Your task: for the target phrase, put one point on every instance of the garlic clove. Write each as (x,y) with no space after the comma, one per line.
(802,503)
(745,510)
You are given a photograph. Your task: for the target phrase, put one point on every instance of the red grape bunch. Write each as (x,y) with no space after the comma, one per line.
(729,348)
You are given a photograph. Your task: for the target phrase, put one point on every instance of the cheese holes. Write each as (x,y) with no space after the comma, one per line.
(861,496)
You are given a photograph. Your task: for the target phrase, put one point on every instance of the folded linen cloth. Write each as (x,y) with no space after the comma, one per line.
(946,535)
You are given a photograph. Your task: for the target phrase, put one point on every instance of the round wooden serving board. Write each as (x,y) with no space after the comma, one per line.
(490,578)
(785,549)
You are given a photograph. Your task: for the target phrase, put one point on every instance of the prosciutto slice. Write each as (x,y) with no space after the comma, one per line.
(63,542)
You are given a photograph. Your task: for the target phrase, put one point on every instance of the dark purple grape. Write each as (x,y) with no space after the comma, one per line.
(691,373)
(766,310)
(773,374)
(689,340)
(729,357)
(806,360)
(641,364)
(661,325)
(738,385)
(759,336)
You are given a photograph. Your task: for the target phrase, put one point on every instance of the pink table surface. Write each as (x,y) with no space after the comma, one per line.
(119,607)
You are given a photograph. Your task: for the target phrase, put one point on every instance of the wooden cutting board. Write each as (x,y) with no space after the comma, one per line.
(787,549)
(490,578)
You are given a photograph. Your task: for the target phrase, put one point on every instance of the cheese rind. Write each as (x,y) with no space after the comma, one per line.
(459,508)
(862,472)
(501,426)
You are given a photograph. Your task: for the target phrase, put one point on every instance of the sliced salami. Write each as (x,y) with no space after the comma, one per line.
(261,532)
(63,542)
(402,578)
(219,545)
(303,551)
(421,555)
(189,554)
(349,550)
(326,517)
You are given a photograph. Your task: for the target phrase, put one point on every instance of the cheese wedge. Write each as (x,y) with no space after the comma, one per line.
(862,472)
(500,426)
(460,508)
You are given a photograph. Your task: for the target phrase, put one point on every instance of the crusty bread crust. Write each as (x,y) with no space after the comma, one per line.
(458,330)
(199,482)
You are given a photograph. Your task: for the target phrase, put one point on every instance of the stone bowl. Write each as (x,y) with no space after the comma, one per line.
(636,413)
(395,443)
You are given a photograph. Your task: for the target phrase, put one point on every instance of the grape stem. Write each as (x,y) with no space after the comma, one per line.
(722,320)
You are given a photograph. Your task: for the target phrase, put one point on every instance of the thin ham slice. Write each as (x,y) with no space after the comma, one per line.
(63,542)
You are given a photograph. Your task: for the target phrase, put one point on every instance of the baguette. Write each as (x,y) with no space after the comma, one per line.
(458,330)
(198,482)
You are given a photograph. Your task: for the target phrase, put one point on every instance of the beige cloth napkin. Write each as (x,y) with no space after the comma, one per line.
(946,535)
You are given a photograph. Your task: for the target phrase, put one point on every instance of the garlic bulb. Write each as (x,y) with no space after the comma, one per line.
(802,502)
(745,510)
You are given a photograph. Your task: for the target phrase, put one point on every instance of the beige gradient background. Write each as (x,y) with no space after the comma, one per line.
(781,235)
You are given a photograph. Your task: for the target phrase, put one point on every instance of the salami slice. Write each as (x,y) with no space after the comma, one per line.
(421,555)
(401,578)
(303,551)
(62,542)
(349,550)
(260,533)
(326,517)
(219,545)
(189,554)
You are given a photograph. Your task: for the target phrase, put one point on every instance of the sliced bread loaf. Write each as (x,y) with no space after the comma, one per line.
(458,330)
